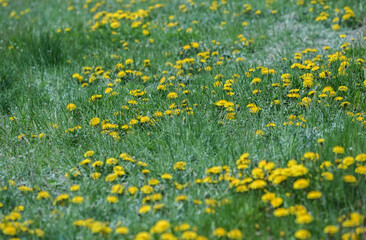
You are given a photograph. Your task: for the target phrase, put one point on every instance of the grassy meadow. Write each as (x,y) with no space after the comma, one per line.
(193,120)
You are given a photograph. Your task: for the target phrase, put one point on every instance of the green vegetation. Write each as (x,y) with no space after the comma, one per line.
(157,119)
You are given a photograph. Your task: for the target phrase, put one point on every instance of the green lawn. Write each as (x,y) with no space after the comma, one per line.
(167,119)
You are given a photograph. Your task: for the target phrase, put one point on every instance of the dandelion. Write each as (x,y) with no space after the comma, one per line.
(122,230)
(331,230)
(9,230)
(360,170)
(77,199)
(328,176)
(180,166)
(71,107)
(314,195)
(160,227)
(144,119)
(94,121)
(61,198)
(304,218)
(143,236)
(111,161)
(117,188)
(258,184)
(166,176)
(112,199)
(350,179)
(338,150)
(95,175)
(281,212)
(75,188)
(189,235)
(128,61)
(132,190)
(235,234)
(43,195)
(89,153)
(301,183)
(219,232)
(276,202)
(144,209)
(172,95)
(303,234)
(194,45)
(361,157)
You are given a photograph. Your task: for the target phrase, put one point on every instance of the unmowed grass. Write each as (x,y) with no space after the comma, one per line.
(182,120)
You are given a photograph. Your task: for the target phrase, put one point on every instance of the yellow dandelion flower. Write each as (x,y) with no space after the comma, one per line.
(302,234)
(71,107)
(301,183)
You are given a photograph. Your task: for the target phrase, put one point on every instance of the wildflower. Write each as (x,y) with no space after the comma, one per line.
(166,176)
(342,89)
(361,157)
(146,189)
(181,198)
(153,182)
(303,234)
(301,183)
(97,164)
(77,199)
(39,232)
(94,121)
(360,170)
(257,184)
(259,132)
(328,176)
(313,195)
(95,175)
(144,119)
(276,202)
(179,166)
(168,236)
(172,95)
(338,150)
(9,230)
(128,61)
(71,107)
(189,235)
(112,199)
(160,227)
(143,236)
(330,229)
(268,197)
(111,161)
(61,198)
(194,45)
(219,232)
(43,195)
(89,153)
(132,190)
(117,188)
(281,212)
(349,179)
(355,220)
(75,188)
(304,218)
(348,161)
(111,177)
(122,230)
(234,234)
(144,209)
